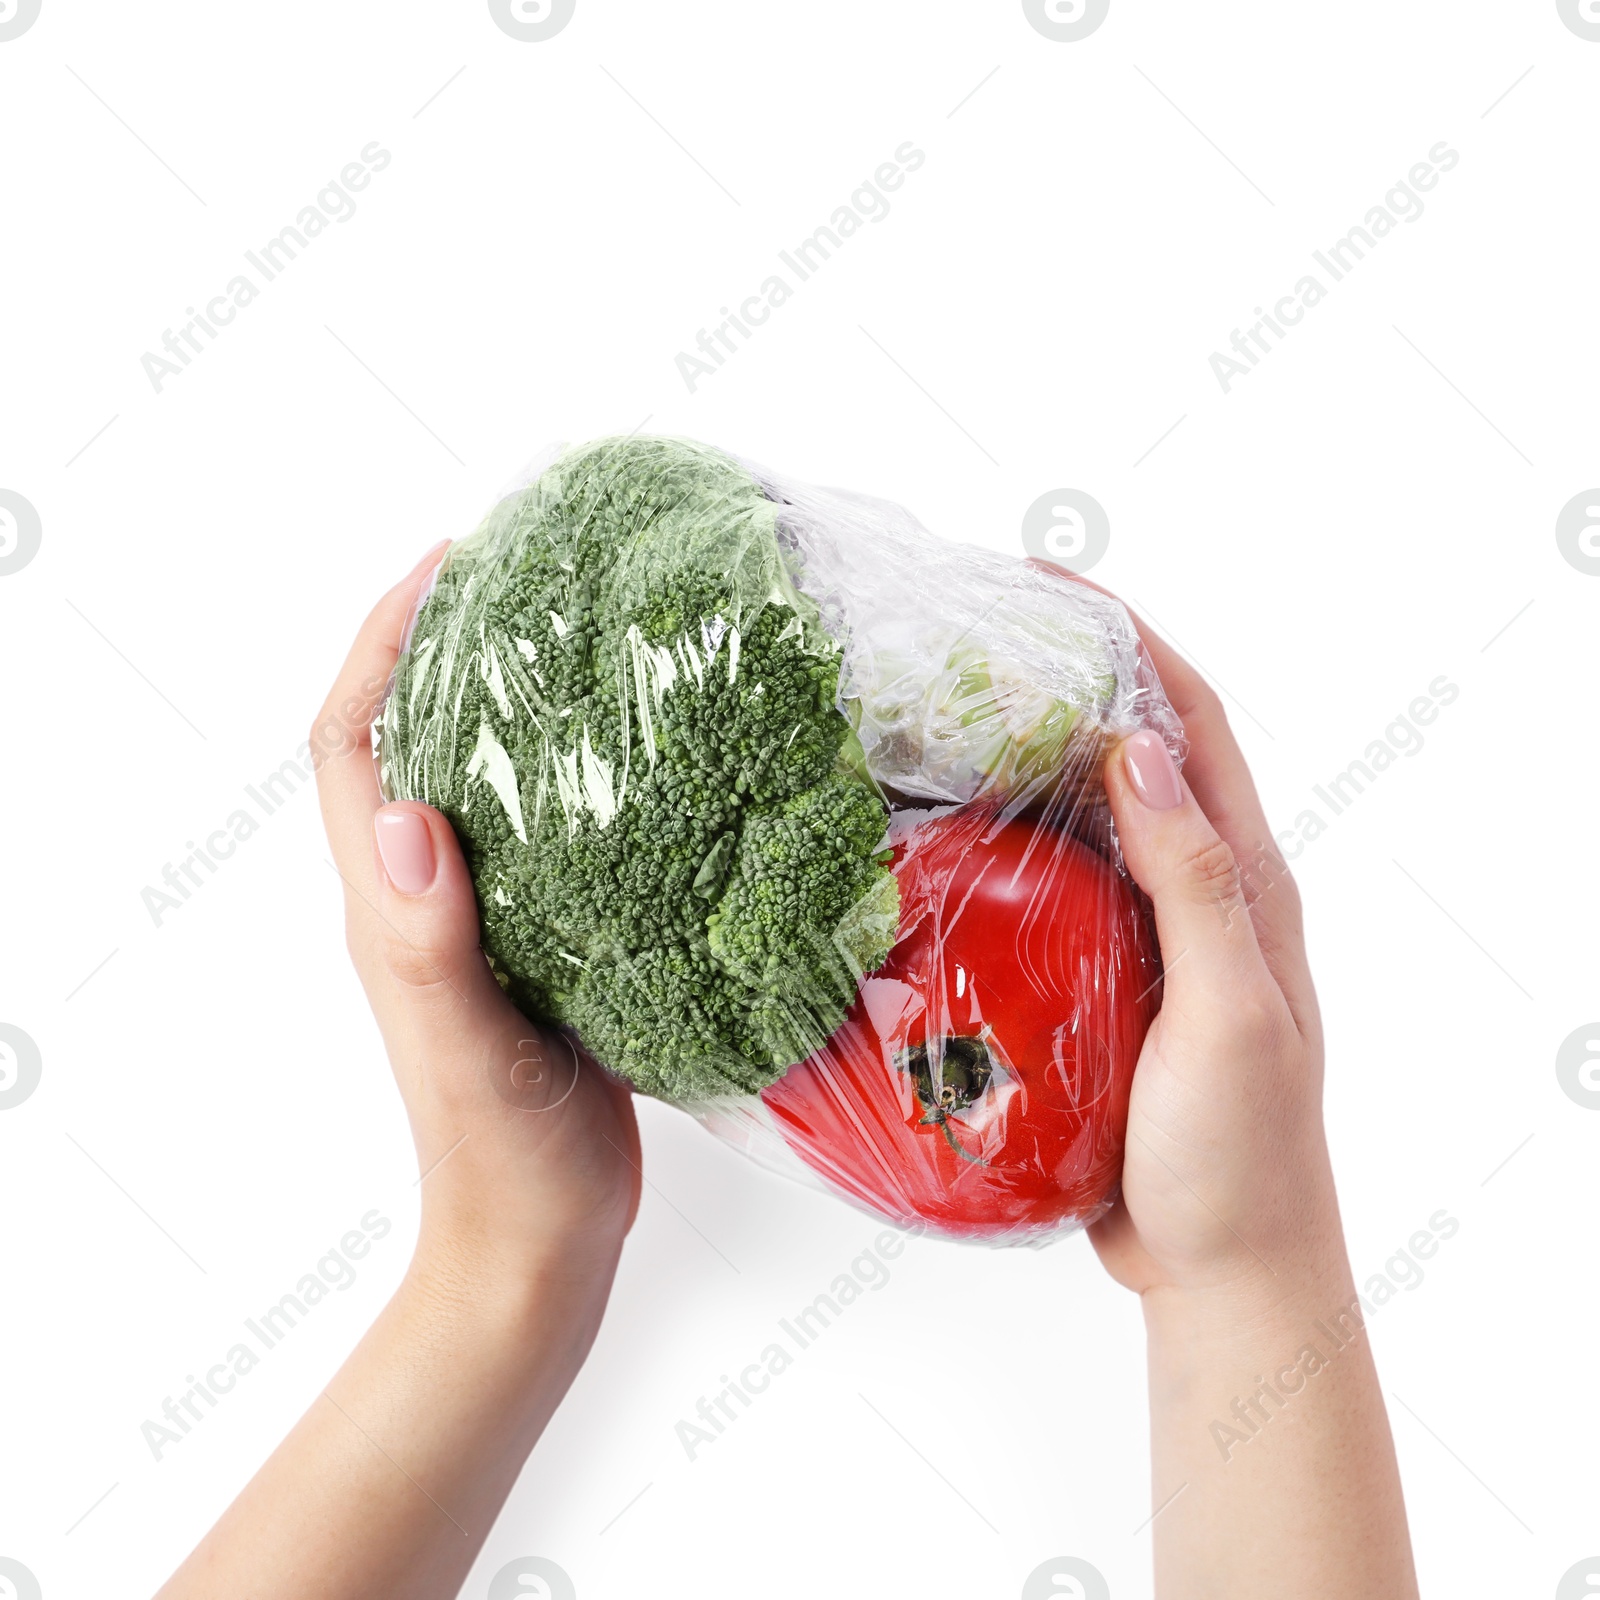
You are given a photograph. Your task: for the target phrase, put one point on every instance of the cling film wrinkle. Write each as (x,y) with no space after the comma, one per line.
(791,814)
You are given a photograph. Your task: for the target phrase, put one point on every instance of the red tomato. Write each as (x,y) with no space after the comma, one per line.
(979,1085)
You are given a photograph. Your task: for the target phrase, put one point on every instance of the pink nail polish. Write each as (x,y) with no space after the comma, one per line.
(1150,770)
(406,848)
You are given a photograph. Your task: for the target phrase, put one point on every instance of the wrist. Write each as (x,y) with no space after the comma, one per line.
(1234,1354)
(470,1236)
(531,1290)
(1266,1301)
(1229,1309)
(1294,1264)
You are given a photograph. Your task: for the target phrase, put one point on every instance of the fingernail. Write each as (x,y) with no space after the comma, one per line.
(406,847)
(1151,771)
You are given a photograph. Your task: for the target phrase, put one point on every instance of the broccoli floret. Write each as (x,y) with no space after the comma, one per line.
(800,867)
(628,711)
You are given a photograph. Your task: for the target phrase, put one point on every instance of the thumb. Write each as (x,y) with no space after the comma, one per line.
(1208,942)
(436,983)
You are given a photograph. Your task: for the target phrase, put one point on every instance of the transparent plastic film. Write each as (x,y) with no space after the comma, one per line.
(791,814)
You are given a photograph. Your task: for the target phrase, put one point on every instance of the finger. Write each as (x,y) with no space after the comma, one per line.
(1215,766)
(341,739)
(430,985)
(1219,778)
(1213,965)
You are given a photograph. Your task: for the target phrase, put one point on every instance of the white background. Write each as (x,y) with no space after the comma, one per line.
(1374,506)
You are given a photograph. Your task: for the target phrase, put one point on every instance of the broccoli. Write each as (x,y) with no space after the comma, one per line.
(629,713)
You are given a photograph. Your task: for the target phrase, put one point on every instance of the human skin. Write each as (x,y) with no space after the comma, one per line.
(389,1483)
(1229,1225)
(529,1155)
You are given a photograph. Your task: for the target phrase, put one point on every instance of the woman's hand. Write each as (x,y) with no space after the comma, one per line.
(1226,1180)
(1273,1472)
(530,1179)
(529,1154)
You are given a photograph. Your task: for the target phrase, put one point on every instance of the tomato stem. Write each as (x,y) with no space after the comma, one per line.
(938,1118)
(964,1068)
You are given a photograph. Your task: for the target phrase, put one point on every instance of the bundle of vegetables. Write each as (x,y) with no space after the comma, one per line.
(789,814)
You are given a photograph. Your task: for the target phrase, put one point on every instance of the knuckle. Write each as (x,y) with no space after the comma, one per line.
(1290,906)
(1259,1022)
(1208,704)
(333,734)
(416,967)
(1267,878)
(1212,872)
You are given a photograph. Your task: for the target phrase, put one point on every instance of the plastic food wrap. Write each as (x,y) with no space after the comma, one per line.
(791,815)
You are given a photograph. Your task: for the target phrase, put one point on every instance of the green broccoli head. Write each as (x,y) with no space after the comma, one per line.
(629,713)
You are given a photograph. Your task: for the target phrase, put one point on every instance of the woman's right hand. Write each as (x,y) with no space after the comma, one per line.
(1226,1178)
(1273,1472)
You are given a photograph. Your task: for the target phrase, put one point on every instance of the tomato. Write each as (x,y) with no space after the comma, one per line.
(979,1085)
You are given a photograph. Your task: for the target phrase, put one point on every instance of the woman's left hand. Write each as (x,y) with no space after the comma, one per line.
(529,1152)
